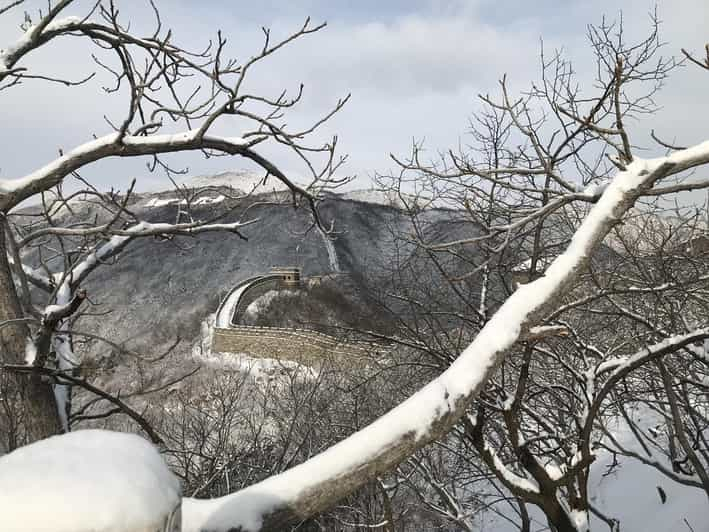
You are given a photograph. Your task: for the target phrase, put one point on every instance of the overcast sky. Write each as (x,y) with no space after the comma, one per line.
(414,68)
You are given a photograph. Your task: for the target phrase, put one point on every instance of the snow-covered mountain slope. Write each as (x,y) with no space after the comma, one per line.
(386,197)
(242,180)
(158,289)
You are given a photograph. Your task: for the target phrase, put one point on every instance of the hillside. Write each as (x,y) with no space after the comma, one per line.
(159,289)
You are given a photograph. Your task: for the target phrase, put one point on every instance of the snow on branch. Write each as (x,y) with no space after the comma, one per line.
(88,480)
(515,483)
(55,313)
(432,411)
(35,35)
(17,190)
(35,276)
(618,368)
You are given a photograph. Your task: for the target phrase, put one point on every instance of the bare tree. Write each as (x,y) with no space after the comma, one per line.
(554,156)
(638,300)
(174,98)
(556,173)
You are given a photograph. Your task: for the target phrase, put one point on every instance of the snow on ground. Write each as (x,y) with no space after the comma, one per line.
(629,493)
(88,481)
(262,370)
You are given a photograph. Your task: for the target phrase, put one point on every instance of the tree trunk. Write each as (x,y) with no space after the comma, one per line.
(558,519)
(28,409)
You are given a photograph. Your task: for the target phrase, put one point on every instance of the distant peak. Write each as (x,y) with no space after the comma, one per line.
(242,180)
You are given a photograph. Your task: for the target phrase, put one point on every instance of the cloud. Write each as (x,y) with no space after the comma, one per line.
(416,55)
(414,69)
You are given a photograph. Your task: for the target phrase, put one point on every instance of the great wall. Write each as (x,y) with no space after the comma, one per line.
(300,345)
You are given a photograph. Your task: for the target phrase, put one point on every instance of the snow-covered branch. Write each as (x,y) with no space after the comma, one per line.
(313,486)
(142,229)
(13,191)
(619,368)
(175,98)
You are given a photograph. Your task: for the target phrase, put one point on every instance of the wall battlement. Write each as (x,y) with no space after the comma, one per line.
(301,345)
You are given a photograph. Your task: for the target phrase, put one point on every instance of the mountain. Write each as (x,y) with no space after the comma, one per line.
(240,180)
(158,289)
(161,289)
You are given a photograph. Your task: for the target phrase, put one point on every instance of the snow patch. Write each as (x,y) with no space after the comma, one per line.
(261,303)
(262,370)
(629,491)
(331,251)
(161,202)
(30,351)
(580,520)
(88,481)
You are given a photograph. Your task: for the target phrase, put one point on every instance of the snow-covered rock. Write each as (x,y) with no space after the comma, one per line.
(88,481)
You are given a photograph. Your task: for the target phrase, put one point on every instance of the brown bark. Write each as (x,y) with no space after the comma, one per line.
(28,409)
(558,519)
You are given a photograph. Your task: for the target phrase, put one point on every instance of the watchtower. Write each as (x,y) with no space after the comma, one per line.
(290,276)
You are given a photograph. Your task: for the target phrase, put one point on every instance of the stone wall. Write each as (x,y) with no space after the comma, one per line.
(300,345)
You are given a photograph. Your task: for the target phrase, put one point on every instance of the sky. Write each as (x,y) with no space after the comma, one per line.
(414,70)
